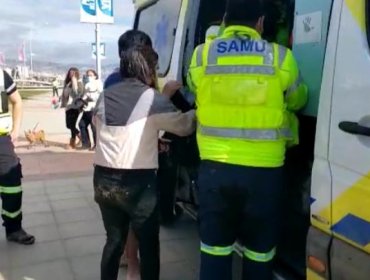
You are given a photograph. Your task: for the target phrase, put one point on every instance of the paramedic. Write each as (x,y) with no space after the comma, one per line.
(10,167)
(245,88)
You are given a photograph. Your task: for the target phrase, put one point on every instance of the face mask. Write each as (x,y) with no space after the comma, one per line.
(90,79)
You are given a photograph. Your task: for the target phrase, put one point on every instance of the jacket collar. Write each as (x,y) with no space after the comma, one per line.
(241,30)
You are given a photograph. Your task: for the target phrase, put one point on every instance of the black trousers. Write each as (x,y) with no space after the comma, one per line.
(55,92)
(84,124)
(238,203)
(71,121)
(128,197)
(10,186)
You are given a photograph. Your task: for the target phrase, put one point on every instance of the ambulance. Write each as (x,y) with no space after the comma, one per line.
(327,217)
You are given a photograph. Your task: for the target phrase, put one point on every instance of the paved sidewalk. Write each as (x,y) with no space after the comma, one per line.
(59,209)
(38,110)
(55,160)
(70,237)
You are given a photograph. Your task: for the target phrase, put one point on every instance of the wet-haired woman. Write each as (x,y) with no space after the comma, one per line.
(128,118)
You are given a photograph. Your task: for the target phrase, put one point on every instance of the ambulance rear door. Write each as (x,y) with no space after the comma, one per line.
(166,22)
(349,146)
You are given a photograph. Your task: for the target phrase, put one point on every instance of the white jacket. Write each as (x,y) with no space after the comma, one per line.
(92,92)
(128,118)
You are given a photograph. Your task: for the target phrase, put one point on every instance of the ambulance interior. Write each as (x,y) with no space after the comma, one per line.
(279,13)
(279,23)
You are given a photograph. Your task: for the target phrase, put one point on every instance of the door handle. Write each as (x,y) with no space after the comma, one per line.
(354,128)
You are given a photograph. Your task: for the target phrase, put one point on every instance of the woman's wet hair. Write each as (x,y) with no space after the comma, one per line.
(132,38)
(139,62)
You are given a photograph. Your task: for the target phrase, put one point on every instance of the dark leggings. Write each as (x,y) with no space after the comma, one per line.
(55,92)
(71,120)
(128,197)
(85,121)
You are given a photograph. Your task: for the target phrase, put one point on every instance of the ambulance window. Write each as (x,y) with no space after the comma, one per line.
(159,21)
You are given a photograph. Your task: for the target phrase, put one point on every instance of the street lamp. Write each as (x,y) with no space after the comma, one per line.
(31,53)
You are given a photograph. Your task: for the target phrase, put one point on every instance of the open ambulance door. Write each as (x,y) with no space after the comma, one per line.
(349,145)
(341,217)
(167,23)
(141,4)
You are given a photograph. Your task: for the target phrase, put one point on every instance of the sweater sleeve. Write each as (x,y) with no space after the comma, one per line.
(165,117)
(181,124)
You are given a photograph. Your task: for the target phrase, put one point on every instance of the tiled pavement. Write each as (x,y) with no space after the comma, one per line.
(59,210)
(70,236)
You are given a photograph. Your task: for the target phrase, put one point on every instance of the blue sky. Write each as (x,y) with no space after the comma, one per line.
(58,36)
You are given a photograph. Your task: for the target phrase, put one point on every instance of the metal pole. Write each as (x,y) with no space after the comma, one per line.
(97,42)
(31,53)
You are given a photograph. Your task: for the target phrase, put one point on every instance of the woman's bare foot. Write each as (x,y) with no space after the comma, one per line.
(133,270)
(133,276)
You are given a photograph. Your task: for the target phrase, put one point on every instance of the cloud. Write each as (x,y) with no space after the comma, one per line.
(56,32)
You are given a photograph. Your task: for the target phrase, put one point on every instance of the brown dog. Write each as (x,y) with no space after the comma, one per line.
(34,137)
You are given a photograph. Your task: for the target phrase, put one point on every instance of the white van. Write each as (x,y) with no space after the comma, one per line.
(327,218)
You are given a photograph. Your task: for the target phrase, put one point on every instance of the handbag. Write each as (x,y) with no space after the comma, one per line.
(79,103)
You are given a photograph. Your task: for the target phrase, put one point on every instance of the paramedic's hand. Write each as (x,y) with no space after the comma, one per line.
(171,87)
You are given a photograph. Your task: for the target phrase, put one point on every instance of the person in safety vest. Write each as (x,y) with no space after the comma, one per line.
(246,89)
(10,167)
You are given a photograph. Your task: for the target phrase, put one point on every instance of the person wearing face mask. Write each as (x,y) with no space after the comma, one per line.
(93,88)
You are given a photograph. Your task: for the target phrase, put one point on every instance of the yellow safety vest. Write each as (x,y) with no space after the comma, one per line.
(5,116)
(239,81)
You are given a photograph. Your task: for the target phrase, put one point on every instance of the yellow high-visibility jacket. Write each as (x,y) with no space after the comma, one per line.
(245,90)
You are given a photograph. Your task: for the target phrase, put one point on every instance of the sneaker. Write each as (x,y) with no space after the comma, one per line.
(21,237)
